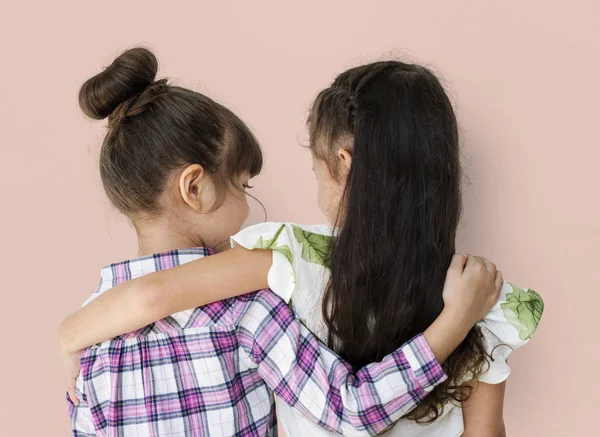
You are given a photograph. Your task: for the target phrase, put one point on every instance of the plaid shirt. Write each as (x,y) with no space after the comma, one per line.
(213,370)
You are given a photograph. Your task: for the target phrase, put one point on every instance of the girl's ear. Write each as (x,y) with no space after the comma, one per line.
(193,186)
(345,158)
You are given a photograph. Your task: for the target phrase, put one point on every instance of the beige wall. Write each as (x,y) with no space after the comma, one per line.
(524,76)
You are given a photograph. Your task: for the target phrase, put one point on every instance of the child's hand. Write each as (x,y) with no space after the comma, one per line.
(472,288)
(71,362)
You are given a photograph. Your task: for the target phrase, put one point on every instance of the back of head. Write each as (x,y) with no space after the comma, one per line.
(128,75)
(155,128)
(398,216)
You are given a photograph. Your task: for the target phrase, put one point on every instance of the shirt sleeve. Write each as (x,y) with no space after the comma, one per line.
(80,416)
(313,379)
(300,254)
(508,326)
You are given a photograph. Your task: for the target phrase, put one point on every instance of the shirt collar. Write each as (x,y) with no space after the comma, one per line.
(117,273)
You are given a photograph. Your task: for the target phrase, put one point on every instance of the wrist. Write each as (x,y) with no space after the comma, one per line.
(458,320)
(446,333)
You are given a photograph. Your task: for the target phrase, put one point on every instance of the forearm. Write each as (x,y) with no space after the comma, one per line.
(313,379)
(446,333)
(139,302)
(392,387)
(113,313)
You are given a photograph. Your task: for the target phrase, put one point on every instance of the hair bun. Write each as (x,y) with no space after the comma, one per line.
(128,75)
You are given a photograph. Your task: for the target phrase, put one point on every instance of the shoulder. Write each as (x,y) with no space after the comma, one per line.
(268,234)
(518,311)
(510,324)
(296,242)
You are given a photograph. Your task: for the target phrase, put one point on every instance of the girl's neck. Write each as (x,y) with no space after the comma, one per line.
(157,237)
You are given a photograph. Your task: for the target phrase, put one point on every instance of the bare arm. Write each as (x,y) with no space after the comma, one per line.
(483,411)
(139,302)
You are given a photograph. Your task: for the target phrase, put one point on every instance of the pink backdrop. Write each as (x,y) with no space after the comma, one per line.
(524,76)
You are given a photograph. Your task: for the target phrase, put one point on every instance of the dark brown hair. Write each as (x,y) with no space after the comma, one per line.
(398,217)
(155,127)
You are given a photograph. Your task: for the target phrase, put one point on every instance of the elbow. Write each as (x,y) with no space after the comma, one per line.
(65,339)
(501,430)
(359,429)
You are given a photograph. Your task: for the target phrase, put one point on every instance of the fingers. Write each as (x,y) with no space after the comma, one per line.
(477,262)
(457,265)
(489,266)
(499,281)
(473,262)
(461,263)
(71,391)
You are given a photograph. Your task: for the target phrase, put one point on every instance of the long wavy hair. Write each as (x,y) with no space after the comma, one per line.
(397,219)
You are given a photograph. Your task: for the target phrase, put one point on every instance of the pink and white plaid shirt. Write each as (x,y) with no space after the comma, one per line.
(212,371)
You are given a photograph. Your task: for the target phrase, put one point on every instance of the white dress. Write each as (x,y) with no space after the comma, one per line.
(299,276)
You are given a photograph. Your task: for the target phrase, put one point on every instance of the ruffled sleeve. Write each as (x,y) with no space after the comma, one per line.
(509,325)
(300,254)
